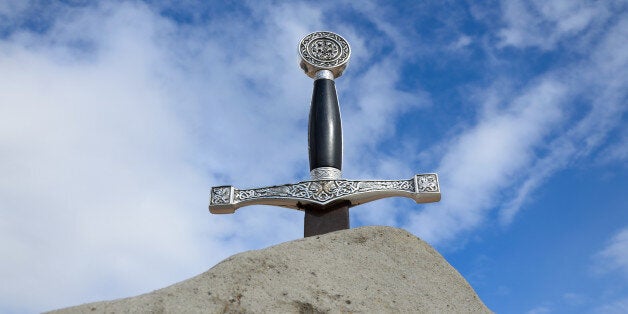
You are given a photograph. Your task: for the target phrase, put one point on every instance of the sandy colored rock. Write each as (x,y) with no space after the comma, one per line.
(368,269)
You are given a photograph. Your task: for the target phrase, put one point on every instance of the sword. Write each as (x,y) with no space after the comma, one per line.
(326,197)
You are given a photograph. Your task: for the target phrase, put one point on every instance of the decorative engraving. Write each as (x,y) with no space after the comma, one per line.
(422,188)
(325,173)
(427,183)
(401,185)
(323,191)
(324,51)
(221,195)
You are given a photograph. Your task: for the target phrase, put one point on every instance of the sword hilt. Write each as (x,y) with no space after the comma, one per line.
(326,198)
(324,56)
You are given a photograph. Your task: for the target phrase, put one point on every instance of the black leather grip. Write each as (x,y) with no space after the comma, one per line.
(324,130)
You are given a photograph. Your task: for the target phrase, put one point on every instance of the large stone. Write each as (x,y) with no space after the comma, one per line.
(369,269)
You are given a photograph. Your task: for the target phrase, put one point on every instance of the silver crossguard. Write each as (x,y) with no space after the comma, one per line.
(326,198)
(423,188)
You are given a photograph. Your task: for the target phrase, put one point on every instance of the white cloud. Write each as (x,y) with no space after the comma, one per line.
(103,168)
(614,257)
(574,299)
(88,148)
(543,24)
(462,42)
(616,152)
(615,307)
(516,145)
(120,121)
(484,160)
(601,81)
(540,310)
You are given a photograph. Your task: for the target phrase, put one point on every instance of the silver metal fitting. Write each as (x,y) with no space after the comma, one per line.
(324,74)
(324,51)
(325,173)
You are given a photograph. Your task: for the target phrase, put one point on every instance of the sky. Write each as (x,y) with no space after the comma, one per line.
(118,116)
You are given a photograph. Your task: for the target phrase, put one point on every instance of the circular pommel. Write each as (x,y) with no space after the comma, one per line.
(324,51)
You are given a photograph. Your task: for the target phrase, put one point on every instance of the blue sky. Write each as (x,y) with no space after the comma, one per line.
(118,116)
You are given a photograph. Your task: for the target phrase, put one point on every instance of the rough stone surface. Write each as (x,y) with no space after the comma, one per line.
(369,269)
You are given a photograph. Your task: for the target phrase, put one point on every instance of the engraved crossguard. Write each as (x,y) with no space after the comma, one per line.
(326,198)
(423,188)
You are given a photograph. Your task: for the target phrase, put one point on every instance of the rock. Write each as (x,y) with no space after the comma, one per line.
(368,269)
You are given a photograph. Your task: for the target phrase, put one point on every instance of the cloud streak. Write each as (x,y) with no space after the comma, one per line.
(516,145)
(614,256)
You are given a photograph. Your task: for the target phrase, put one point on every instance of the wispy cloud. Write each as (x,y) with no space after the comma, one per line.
(540,310)
(517,144)
(544,24)
(616,307)
(606,94)
(484,160)
(614,256)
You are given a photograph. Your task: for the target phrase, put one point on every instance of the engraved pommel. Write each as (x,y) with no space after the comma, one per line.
(324,51)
